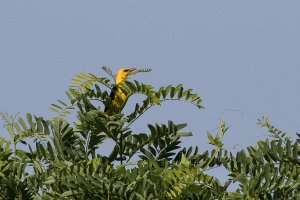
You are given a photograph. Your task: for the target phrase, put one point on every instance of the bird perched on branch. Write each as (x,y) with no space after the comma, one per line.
(117,96)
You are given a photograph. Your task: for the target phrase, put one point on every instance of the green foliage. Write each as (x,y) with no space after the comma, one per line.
(55,159)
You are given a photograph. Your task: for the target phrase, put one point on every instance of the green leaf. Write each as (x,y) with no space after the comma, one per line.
(184,160)
(210,138)
(11,133)
(50,180)
(194,188)
(67,194)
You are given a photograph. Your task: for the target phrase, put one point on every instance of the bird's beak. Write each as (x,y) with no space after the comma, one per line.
(132,69)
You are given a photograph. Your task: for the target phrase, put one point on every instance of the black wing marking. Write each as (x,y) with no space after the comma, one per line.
(112,96)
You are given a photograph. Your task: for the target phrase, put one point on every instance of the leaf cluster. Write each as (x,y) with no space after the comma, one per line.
(55,159)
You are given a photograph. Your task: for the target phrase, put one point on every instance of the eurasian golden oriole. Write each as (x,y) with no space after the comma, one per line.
(118,98)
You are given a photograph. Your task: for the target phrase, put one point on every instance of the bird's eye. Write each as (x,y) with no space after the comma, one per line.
(126,70)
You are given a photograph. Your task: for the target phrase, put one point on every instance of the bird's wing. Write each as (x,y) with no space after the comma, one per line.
(112,96)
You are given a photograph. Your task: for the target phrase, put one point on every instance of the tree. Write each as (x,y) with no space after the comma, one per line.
(62,160)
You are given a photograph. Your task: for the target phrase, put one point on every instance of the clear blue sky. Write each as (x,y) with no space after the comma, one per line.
(242,55)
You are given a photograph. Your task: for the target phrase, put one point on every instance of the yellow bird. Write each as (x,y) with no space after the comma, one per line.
(118,98)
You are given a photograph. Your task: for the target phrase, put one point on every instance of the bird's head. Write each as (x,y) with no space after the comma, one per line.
(123,74)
